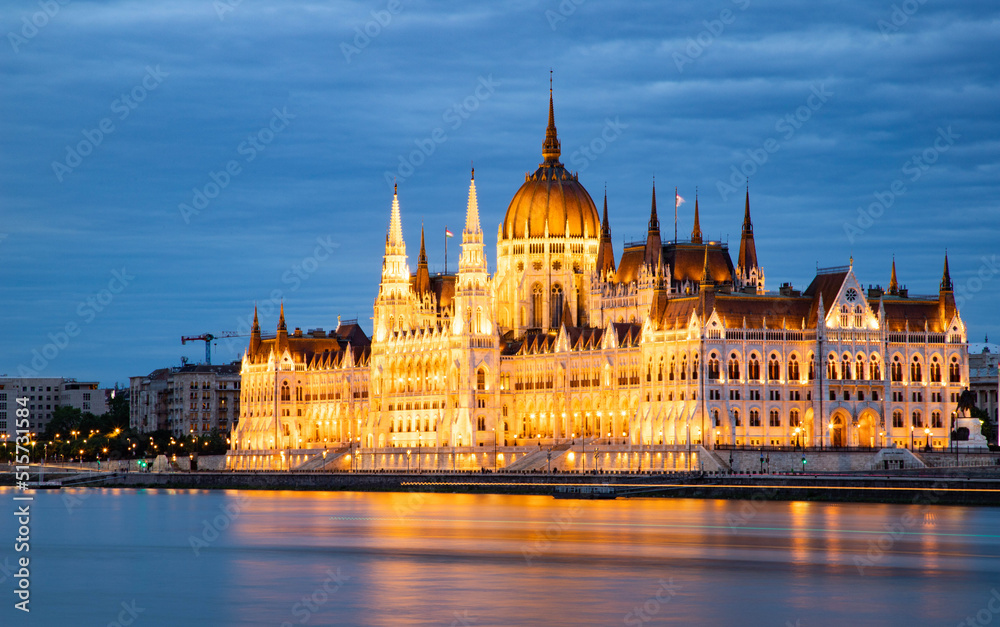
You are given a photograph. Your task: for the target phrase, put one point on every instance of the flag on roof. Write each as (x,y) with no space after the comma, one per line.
(448,233)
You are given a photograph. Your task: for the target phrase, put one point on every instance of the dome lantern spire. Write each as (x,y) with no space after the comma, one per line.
(550,148)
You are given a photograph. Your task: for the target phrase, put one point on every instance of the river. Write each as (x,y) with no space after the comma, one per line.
(179,557)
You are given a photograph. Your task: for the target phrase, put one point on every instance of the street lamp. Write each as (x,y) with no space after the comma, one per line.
(911,437)
(494,449)
(927,439)
(407,460)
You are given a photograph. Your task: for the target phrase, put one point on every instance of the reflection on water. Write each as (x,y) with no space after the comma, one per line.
(347,558)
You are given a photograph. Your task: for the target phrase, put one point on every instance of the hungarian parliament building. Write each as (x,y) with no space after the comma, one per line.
(672,343)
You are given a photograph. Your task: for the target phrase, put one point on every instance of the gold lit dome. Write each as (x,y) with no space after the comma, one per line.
(551,196)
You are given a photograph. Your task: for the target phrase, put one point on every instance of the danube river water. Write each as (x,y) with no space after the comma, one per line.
(178,558)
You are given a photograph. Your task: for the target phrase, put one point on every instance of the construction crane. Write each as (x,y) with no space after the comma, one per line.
(208,338)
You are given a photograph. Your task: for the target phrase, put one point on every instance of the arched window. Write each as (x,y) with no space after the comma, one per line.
(954,371)
(845,368)
(773,368)
(793,368)
(845,314)
(298,393)
(479,320)
(915,374)
(481,379)
(859,316)
(713,367)
(812,367)
(935,370)
(715,417)
(876,370)
(734,368)
(556,306)
(918,421)
(659,371)
(936,420)
(774,418)
(793,418)
(286,392)
(684,367)
(831,370)
(896,369)
(754,418)
(753,368)
(536,305)
(897,419)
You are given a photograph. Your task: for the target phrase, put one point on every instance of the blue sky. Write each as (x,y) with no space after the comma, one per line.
(293,116)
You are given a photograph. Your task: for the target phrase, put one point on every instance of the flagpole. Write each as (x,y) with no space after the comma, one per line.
(446,250)
(675,215)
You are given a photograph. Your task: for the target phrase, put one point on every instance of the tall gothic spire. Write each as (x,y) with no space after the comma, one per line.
(255,329)
(946,285)
(747,259)
(654,221)
(473,259)
(551,148)
(696,231)
(472,226)
(394,240)
(422,282)
(605,251)
(893,283)
(281,319)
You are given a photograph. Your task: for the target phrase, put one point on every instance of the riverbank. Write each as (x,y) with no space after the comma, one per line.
(972,486)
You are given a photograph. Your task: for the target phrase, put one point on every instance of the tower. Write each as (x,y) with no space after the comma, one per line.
(748,273)
(394,303)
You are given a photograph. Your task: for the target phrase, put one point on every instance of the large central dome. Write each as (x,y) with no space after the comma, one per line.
(552,199)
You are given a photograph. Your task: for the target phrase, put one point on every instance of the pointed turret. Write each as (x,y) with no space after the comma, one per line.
(947,308)
(605,251)
(254,332)
(473,258)
(696,231)
(946,285)
(567,314)
(394,243)
(748,272)
(422,282)
(654,246)
(282,337)
(551,148)
(893,283)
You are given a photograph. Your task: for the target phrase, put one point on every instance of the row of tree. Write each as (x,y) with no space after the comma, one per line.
(74,435)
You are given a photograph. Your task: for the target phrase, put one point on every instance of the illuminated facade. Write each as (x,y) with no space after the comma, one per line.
(671,344)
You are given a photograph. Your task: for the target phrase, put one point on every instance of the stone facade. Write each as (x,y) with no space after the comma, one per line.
(670,345)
